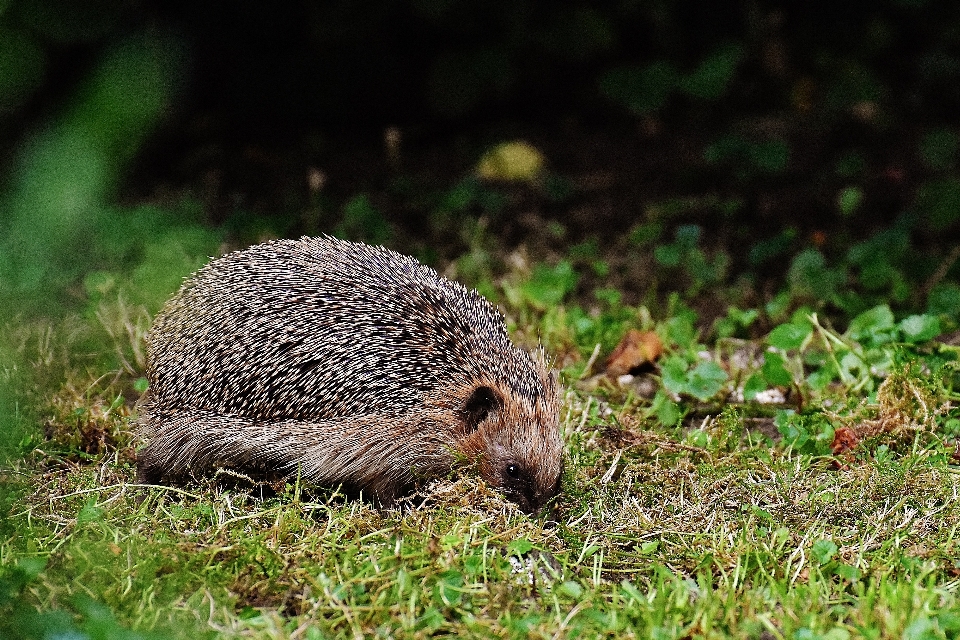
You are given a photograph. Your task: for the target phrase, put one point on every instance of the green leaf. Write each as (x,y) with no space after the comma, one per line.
(754,385)
(519,547)
(789,336)
(850,165)
(362,221)
(473,564)
(430,621)
(706,380)
(952,427)
(665,409)
(649,547)
(679,329)
(688,235)
(22,65)
(823,551)
(249,613)
(849,200)
(770,156)
(819,379)
(734,320)
(711,79)
(90,512)
(673,373)
(847,572)
(762,514)
(699,438)
(632,592)
(449,588)
(922,628)
(809,275)
(572,589)
(791,427)
(949,621)
(548,286)
(667,255)
(919,328)
(775,370)
(871,325)
(462,195)
(520,627)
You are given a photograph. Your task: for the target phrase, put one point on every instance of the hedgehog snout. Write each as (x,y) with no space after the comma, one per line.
(521,472)
(519,484)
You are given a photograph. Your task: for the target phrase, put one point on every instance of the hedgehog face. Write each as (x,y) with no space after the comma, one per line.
(516,442)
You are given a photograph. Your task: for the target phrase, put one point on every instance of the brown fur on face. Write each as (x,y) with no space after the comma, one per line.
(516,444)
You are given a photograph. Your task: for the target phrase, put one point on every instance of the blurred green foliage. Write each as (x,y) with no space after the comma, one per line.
(85,618)
(647,88)
(64,245)
(66,174)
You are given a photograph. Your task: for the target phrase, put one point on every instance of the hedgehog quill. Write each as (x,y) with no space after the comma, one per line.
(350,365)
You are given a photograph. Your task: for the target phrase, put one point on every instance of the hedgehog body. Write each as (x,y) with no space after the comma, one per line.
(345,364)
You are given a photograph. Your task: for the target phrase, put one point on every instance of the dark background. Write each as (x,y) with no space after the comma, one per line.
(730,150)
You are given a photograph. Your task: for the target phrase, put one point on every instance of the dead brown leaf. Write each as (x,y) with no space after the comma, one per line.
(636,349)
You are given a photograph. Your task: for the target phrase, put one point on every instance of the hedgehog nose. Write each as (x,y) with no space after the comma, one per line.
(529,504)
(539,502)
(526,500)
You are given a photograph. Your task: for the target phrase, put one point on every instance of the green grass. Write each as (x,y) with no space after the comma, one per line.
(739,522)
(678,545)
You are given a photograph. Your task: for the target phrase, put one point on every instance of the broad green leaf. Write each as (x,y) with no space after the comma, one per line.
(754,385)
(572,589)
(944,299)
(849,200)
(90,512)
(789,336)
(823,551)
(430,621)
(667,255)
(847,572)
(666,410)
(711,79)
(673,373)
(775,370)
(819,379)
(649,547)
(871,324)
(680,329)
(706,379)
(938,202)
(519,547)
(548,286)
(920,328)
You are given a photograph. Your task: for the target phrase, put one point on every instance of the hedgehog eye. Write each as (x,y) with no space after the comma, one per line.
(479,405)
(513,471)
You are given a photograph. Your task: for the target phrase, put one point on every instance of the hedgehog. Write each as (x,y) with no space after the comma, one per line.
(347,365)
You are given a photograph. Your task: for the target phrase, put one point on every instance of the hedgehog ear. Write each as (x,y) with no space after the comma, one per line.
(481,403)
